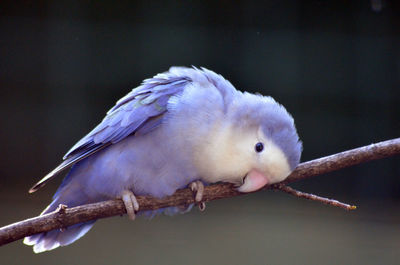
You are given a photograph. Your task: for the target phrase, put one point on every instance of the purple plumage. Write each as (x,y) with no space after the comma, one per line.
(178,127)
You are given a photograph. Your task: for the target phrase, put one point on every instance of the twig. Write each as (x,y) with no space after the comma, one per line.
(313,197)
(93,211)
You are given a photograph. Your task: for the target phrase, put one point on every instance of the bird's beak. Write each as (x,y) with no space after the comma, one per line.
(253,181)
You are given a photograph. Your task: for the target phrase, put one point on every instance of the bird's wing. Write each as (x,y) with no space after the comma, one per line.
(139,111)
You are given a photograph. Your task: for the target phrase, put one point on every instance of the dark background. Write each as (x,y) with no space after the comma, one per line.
(335,65)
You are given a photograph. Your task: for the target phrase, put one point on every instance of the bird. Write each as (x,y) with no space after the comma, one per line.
(186,127)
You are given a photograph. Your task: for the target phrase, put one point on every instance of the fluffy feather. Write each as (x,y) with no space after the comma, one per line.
(183,125)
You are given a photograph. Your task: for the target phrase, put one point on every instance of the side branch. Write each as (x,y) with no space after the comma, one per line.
(313,197)
(64,217)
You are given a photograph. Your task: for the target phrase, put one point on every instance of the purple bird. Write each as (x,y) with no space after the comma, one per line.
(183,128)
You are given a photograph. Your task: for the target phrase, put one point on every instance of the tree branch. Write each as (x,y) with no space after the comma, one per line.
(64,217)
(312,197)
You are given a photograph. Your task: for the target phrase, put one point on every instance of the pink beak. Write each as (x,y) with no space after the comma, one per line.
(253,181)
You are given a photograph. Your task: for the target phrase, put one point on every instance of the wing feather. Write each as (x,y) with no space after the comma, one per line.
(139,112)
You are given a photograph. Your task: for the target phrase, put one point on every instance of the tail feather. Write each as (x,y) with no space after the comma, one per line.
(56,238)
(71,194)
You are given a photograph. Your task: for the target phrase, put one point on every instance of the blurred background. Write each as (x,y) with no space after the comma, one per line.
(335,65)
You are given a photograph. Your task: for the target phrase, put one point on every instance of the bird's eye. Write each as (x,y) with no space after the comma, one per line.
(259,147)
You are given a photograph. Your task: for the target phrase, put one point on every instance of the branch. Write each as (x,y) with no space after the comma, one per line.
(64,217)
(313,197)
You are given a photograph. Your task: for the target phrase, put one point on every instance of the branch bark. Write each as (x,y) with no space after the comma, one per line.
(312,197)
(64,217)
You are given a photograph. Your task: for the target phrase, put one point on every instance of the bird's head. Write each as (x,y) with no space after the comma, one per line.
(255,144)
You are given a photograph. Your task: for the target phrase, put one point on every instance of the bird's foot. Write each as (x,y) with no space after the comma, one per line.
(198,189)
(131,203)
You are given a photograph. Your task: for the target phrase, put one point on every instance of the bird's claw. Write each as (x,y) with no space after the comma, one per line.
(131,203)
(198,189)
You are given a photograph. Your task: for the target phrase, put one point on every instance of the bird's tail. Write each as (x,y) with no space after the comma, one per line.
(71,195)
(56,238)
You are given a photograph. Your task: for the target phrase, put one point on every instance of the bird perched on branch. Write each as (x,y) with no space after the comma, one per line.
(186,127)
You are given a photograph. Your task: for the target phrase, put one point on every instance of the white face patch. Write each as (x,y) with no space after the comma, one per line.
(274,162)
(228,155)
(222,156)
